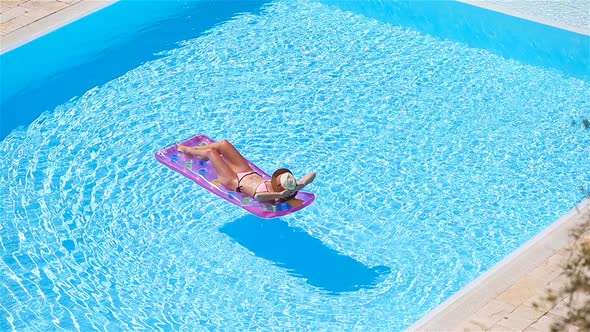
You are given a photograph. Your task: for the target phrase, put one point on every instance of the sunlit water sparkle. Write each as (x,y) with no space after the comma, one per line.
(434,160)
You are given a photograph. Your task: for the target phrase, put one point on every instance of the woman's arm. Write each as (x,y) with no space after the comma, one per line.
(305,181)
(269,196)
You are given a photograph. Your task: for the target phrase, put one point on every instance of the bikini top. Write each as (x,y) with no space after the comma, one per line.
(261,187)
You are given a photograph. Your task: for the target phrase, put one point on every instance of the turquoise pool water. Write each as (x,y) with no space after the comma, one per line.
(435,160)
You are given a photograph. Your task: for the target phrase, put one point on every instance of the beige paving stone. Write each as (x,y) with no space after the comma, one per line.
(39,13)
(485,318)
(510,311)
(560,309)
(539,302)
(519,319)
(551,318)
(12,13)
(5,18)
(6,5)
(522,290)
(544,323)
(40,9)
(6,28)
(500,328)
(53,4)
(14,24)
(565,252)
(550,269)
(530,329)
(472,325)
(11,3)
(558,283)
(496,310)
(540,296)
(479,322)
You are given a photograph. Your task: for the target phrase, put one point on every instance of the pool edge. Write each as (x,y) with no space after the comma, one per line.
(483,4)
(76,11)
(463,305)
(50,23)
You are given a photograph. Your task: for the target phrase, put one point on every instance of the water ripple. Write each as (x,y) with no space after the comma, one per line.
(434,160)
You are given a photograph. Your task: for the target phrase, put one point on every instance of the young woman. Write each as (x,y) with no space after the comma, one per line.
(234,172)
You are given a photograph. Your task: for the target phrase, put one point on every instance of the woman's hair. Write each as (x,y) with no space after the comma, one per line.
(275,182)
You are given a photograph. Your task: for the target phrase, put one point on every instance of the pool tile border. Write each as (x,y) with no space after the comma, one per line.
(495,300)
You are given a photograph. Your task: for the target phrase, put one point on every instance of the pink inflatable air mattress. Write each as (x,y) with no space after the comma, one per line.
(203,174)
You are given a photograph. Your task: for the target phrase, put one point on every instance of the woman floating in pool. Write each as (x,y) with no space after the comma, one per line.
(234,171)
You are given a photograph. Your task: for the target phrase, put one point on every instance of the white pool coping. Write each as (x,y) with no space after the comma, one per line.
(50,23)
(462,305)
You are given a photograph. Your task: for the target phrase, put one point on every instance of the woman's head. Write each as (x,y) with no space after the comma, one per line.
(283,179)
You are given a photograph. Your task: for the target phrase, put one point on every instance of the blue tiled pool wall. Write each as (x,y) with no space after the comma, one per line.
(156,247)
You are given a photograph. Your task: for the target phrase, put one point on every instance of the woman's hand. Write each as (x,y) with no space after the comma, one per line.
(305,181)
(286,193)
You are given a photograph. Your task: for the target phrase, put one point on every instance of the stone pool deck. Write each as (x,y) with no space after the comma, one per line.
(500,300)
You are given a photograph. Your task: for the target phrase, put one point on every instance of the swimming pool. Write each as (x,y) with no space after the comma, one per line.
(435,160)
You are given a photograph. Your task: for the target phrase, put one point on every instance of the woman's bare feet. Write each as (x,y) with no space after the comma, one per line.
(182,148)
